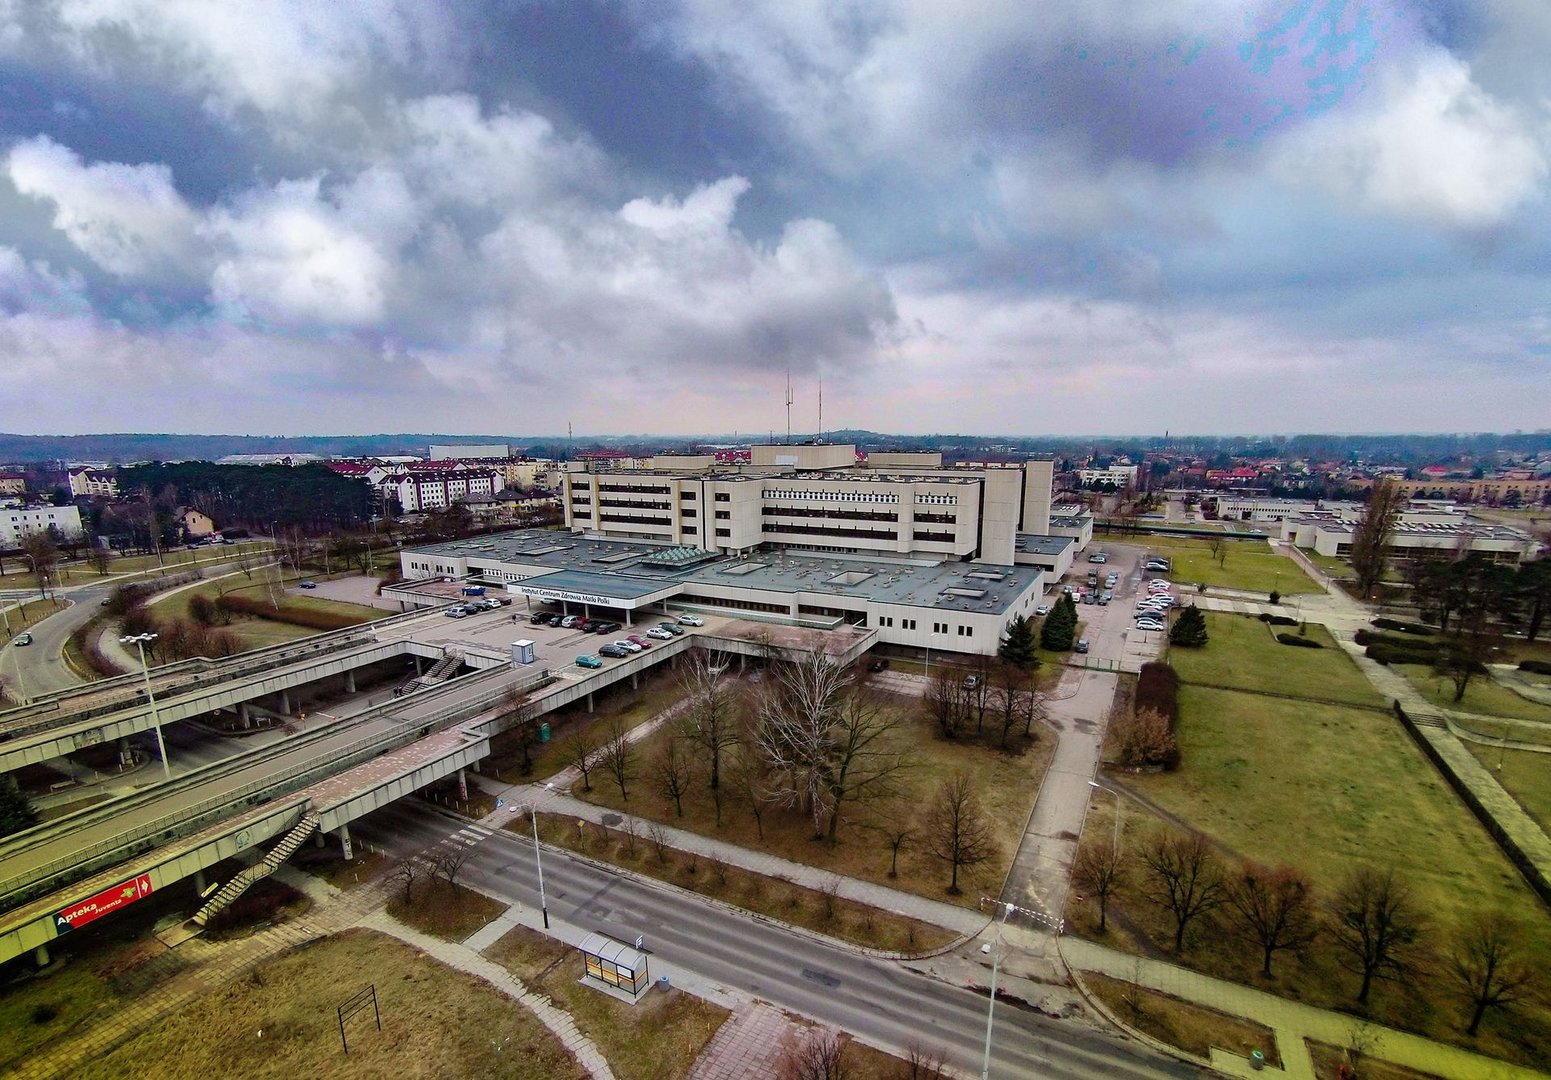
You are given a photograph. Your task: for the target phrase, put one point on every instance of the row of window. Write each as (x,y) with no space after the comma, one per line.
(643,504)
(635,519)
(843,515)
(633,489)
(937,627)
(834,496)
(813,530)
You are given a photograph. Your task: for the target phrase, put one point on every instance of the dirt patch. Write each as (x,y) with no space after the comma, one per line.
(1190,1027)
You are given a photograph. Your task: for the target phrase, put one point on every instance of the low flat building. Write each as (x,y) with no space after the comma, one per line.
(1417,534)
(942,605)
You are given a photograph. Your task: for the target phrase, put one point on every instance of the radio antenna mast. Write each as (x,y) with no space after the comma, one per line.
(788,406)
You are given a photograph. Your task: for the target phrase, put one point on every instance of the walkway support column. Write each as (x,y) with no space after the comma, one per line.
(285,703)
(126,756)
(463,785)
(350,681)
(344,843)
(40,956)
(199,883)
(589,701)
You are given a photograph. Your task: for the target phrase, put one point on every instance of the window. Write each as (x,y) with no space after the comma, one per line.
(723,515)
(722,497)
(907,624)
(724,532)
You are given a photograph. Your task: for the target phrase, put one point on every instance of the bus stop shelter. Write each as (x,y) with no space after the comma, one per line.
(615,965)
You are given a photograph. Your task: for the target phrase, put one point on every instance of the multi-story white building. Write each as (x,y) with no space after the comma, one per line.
(18,522)
(420,491)
(469,451)
(98,483)
(819,498)
(1119,475)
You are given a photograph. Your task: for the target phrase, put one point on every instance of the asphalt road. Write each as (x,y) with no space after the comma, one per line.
(42,666)
(872,999)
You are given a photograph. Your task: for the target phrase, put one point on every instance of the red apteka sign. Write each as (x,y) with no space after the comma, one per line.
(109,900)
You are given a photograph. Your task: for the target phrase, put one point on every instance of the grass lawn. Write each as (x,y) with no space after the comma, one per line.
(1327,789)
(776,898)
(255,632)
(1250,565)
(30,613)
(1525,774)
(1483,695)
(1328,1060)
(280,1020)
(1241,652)
(1190,1027)
(1007,785)
(657,1038)
(450,912)
(175,560)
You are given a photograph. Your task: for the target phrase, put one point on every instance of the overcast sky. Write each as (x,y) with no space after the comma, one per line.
(1068,216)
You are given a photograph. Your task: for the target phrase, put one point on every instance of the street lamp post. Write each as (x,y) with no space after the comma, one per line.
(533,816)
(139,641)
(1050,922)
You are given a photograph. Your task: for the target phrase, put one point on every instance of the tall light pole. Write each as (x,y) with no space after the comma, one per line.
(156,716)
(1051,923)
(533,816)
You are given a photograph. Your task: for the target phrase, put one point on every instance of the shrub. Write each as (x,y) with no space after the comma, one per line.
(1276,597)
(1302,642)
(1157,688)
(1389,654)
(202,610)
(1402,627)
(1537,667)
(1281,620)
(260,609)
(1146,739)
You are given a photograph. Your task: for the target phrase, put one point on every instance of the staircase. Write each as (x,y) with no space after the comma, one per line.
(441,671)
(238,885)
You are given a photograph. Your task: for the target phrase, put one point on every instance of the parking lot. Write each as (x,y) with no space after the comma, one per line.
(1110,629)
(355,589)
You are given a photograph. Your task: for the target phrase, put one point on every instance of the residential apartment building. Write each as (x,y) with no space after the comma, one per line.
(420,491)
(97,483)
(18,522)
(12,483)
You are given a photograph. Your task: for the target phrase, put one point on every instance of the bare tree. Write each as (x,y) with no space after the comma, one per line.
(711,718)
(1100,870)
(41,554)
(1274,909)
(659,838)
(617,756)
(672,772)
(1184,877)
(818,1055)
(1370,540)
(829,892)
(99,556)
(827,744)
(751,784)
(923,1062)
(406,872)
(1487,965)
(520,722)
(899,830)
(581,753)
(1013,699)
(448,861)
(956,830)
(948,703)
(1376,926)
(1145,738)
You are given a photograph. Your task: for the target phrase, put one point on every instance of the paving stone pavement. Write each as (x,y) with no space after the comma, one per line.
(748,1044)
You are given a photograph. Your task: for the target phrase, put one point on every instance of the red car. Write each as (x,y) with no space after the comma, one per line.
(637,639)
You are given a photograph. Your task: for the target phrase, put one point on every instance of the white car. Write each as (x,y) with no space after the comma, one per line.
(1159,586)
(627,645)
(691,620)
(659,634)
(1148,624)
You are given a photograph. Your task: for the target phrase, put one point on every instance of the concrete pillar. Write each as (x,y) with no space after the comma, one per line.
(350,681)
(317,839)
(635,680)
(344,843)
(126,756)
(589,701)
(743,662)
(200,883)
(245,712)
(40,956)
(628,621)
(463,785)
(418,669)
(285,703)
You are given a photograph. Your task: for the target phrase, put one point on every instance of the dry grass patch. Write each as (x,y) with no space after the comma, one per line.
(1183,1024)
(1484,695)
(450,912)
(1329,1059)
(1525,774)
(327,864)
(1006,784)
(776,898)
(280,1020)
(657,1038)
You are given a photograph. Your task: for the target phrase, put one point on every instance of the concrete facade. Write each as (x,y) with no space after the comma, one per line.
(19,522)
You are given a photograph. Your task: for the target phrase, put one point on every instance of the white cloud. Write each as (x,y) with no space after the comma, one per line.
(296,256)
(34,287)
(129,219)
(1432,145)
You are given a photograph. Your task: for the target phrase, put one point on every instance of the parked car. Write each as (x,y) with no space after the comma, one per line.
(1087,598)
(613,652)
(1042,610)
(491,603)
(571,622)
(539,618)
(22,638)
(657,633)
(972,682)
(588,660)
(473,609)
(589,625)
(607,628)
(637,639)
(456,613)
(1104,598)
(306,584)
(552,618)
(1149,624)
(627,645)
(691,620)
(1082,645)
(673,629)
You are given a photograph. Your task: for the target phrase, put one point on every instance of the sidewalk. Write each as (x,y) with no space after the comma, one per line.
(1292,1021)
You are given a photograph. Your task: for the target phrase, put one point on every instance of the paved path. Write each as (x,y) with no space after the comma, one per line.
(748,1044)
(1292,1021)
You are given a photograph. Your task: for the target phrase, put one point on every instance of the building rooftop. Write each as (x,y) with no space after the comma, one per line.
(1037,544)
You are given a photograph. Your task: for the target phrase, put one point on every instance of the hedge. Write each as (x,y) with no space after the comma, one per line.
(261,609)
(1277,620)
(1157,687)
(1390,654)
(1538,667)
(1300,642)
(1403,627)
